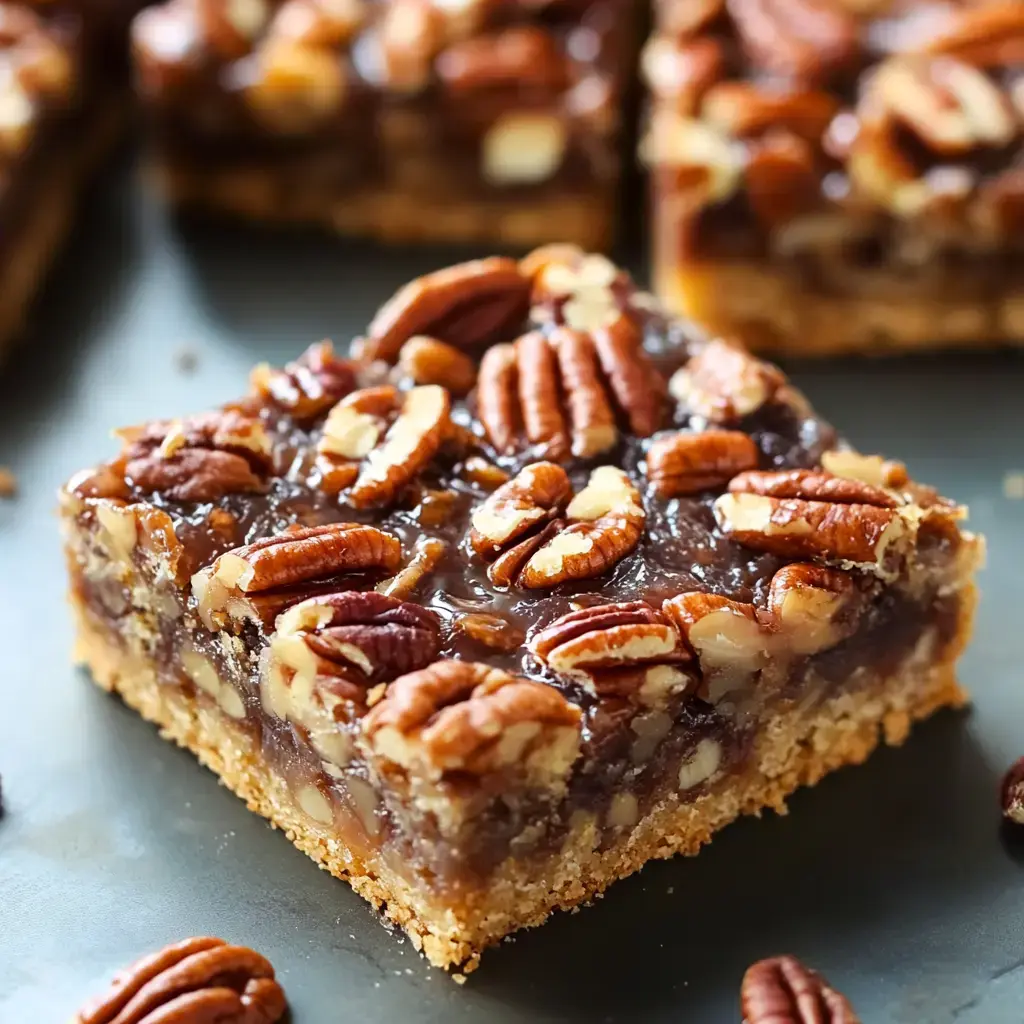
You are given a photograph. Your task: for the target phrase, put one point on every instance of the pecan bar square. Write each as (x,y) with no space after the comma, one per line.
(831,176)
(493,120)
(483,648)
(60,111)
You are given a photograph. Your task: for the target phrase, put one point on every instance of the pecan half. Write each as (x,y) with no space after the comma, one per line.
(781,989)
(687,463)
(606,520)
(308,386)
(804,514)
(201,458)
(359,450)
(469,305)
(613,647)
(429,361)
(529,500)
(200,979)
(565,390)
(806,40)
(727,637)
(813,606)
(295,558)
(467,717)
(723,383)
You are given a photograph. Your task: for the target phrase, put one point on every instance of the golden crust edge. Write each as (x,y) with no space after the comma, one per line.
(801,750)
(771,313)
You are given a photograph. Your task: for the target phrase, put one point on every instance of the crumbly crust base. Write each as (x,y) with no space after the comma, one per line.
(389,215)
(32,251)
(799,748)
(772,313)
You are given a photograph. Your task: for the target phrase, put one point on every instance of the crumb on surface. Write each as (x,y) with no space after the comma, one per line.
(186,358)
(1013,485)
(8,483)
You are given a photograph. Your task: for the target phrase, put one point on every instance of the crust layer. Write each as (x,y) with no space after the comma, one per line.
(388,214)
(774,314)
(799,748)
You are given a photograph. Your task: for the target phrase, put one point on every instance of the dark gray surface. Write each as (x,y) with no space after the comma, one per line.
(894,879)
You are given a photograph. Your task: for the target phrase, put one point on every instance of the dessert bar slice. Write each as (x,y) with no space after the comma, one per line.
(58,116)
(484,647)
(400,119)
(832,176)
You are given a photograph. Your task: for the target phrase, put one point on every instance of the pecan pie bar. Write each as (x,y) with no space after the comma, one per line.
(57,118)
(483,648)
(836,176)
(399,119)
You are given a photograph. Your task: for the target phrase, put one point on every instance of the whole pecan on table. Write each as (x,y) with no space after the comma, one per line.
(201,458)
(566,390)
(308,386)
(377,440)
(625,649)
(468,306)
(262,579)
(535,534)
(813,514)
(468,717)
(197,981)
(781,990)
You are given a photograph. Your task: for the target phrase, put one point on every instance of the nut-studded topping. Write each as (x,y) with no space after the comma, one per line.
(200,979)
(565,390)
(355,450)
(532,498)
(610,645)
(806,40)
(687,463)
(291,559)
(818,516)
(429,361)
(310,385)
(468,306)
(782,990)
(723,383)
(467,717)
(198,459)
(814,607)
(606,520)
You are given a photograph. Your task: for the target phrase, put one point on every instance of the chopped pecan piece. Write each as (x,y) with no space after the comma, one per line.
(869,469)
(579,290)
(301,556)
(805,40)
(426,553)
(813,606)
(723,383)
(493,631)
(309,386)
(806,514)
(469,306)
(201,458)
(459,716)
(534,497)
(429,361)
(200,979)
(563,391)
(614,649)
(359,450)
(687,463)
(606,520)
(782,989)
